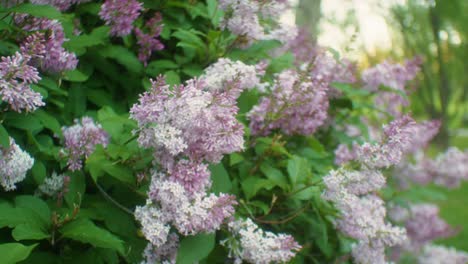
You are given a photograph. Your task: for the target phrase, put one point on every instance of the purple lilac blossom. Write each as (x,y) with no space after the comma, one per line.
(254,245)
(16,76)
(435,254)
(55,59)
(81,140)
(120,15)
(395,77)
(14,164)
(297,104)
(189,120)
(62,5)
(149,42)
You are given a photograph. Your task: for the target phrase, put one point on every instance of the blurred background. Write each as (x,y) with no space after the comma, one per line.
(370,31)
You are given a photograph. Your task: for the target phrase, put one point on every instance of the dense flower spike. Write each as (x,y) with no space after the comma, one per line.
(149,42)
(54,58)
(298,104)
(189,120)
(166,253)
(195,177)
(14,163)
(395,77)
(434,254)
(343,154)
(16,76)
(256,20)
(120,15)
(81,140)
(154,224)
(254,245)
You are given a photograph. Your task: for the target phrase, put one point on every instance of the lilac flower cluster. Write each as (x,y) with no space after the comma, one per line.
(254,20)
(188,126)
(434,254)
(149,42)
(62,5)
(297,104)
(120,15)
(16,76)
(447,169)
(362,213)
(252,244)
(54,185)
(394,77)
(81,140)
(46,49)
(166,253)
(14,163)
(193,120)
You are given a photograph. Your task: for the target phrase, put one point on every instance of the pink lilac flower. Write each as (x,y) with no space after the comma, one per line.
(55,58)
(189,120)
(297,104)
(256,20)
(394,77)
(435,254)
(154,224)
(149,42)
(16,76)
(81,140)
(451,167)
(54,185)
(352,182)
(120,15)
(14,164)
(252,244)
(167,253)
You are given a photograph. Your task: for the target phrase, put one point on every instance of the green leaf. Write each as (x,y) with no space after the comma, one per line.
(86,231)
(15,252)
(28,232)
(157,67)
(220,177)
(298,169)
(123,56)
(172,77)
(36,205)
(49,121)
(4,137)
(274,175)
(78,75)
(38,171)
(235,158)
(25,122)
(46,11)
(252,185)
(195,248)
(97,36)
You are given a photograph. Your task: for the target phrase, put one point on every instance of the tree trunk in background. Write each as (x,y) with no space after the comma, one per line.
(308,16)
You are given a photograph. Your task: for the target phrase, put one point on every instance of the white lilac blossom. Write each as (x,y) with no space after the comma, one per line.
(254,245)
(120,15)
(343,154)
(81,140)
(435,254)
(165,254)
(193,176)
(154,224)
(16,77)
(256,20)
(194,121)
(221,74)
(394,77)
(353,182)
(54,58)
(297,104)
(14,163)
(54,184)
